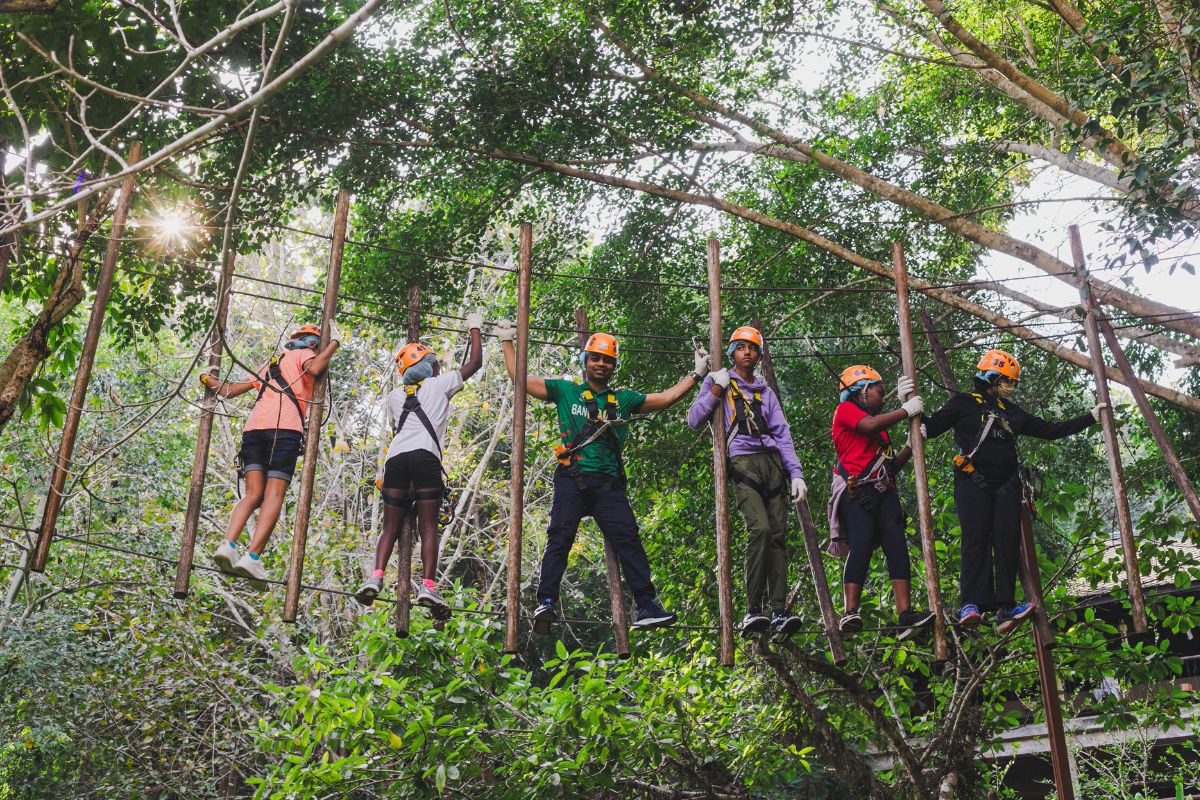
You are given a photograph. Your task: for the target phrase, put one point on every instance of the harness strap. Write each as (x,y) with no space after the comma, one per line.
(275,373)
(586,434)
(737,476)
(741,423)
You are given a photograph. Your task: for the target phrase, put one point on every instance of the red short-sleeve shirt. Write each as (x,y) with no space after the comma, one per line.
(855,450)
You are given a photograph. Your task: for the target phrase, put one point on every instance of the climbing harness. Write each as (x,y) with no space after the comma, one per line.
(963,462)
(747,419)
(413,406)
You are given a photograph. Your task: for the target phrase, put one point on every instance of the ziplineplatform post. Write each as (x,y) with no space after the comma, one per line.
(611,565)
(1112,448)
(404,539)
(720,459)
(920,477)
(512,610)
(811,546)
(312,433)
(83,375)
(191,516)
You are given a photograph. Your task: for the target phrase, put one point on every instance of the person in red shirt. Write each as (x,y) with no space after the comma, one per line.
(270,442)
(864,509)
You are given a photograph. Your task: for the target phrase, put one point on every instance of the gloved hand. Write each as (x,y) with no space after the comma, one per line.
(799,490)
(335,333)
(721,378)
(924,433)
(1096,411)
(904,387)
(474,321)
(702,366)
(505,330)
(208,376)
(913,406)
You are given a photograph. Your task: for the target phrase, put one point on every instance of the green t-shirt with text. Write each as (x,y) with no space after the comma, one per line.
(567,397)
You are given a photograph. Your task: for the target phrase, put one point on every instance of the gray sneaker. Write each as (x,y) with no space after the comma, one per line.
(432,599)
(369,591)
(225,557)
(253,569)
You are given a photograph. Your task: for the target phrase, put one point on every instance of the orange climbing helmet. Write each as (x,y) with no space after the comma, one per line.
(307,330)
(601,343)
(745,334)
(412,353)
(857,378)
(998,363)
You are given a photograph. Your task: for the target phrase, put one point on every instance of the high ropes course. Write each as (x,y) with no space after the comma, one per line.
(1095,324)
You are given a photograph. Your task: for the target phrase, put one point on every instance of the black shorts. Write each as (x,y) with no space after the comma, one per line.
(272,451)
(418,469)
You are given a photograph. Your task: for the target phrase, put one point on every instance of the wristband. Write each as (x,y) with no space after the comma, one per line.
(696,377)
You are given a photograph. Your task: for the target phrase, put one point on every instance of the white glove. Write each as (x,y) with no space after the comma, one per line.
(209,375)
(913,406)
(1096,411)
(904,387)
(924,433)
(701,361)
(474,321)
(721,378)
(799,490)
(335,333)
(505,330)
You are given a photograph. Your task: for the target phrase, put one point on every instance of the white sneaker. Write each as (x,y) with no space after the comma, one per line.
(253,569)
(225,557)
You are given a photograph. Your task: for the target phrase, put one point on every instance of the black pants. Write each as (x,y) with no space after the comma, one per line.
(882,525)
(990,519)
(609,506)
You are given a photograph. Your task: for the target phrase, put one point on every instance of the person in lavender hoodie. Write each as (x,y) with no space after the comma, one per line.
(765,473)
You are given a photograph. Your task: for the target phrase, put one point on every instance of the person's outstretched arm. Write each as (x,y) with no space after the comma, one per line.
(506,332)
(665,399)
(475,354)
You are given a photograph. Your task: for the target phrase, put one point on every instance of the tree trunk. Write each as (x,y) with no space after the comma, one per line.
(33,347)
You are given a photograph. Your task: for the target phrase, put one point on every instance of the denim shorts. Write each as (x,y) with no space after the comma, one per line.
(272,451)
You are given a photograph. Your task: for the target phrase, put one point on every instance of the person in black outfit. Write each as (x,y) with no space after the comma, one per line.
(987,488)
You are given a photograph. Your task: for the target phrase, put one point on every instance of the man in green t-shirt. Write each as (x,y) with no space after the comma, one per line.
(590,479)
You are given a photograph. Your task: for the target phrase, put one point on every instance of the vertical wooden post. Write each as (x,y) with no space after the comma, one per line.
(1112,448)
(811,546)
(316,410)
(720,459)
(404,540)
(1043,641)
(191,516)
(939,352)
(83,376)
(8,243)
(920,478)
(612,566)
(512,612)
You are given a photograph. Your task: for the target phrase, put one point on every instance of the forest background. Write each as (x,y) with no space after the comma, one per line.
(806,137)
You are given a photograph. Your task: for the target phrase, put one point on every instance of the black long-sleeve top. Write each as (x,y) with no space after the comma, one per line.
(996,458)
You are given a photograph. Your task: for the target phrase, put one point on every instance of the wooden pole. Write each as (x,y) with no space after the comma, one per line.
(1166,449)
(811,546)
(1043,641)
(404,540)
(612,566)
(83,376)
(512,612)
(1112,448)
(312,434)
(191,516)
(920,478)
(720,459)
(939,352)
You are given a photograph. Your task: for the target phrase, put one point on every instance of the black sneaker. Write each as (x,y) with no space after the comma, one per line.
(851,623)
(544,616)
(784,624)
(653,615)
(913,623)
(754,622)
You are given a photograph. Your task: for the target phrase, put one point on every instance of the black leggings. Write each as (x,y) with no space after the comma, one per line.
(412,483)
(882,526)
